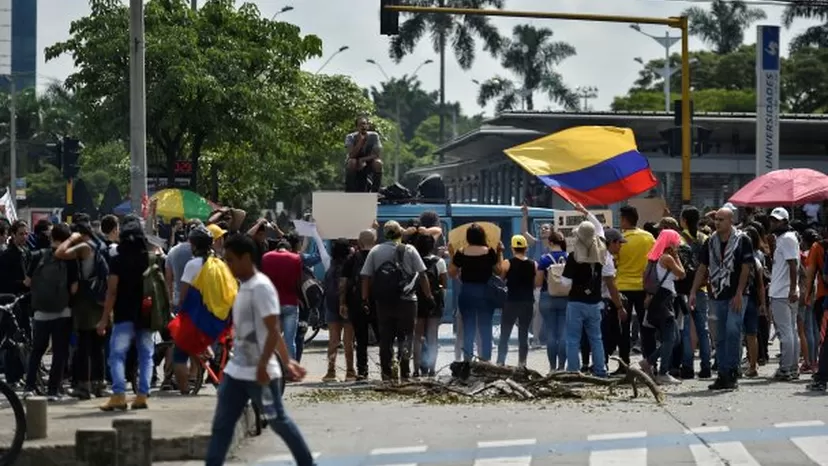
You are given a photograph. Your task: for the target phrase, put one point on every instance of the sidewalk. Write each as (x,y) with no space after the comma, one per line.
(180,428)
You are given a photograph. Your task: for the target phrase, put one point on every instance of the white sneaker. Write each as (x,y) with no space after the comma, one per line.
(28,394)
(667,379)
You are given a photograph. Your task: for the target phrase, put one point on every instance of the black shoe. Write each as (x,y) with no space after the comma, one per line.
(705,374)
(816,386)
(723,383)
(416,374)
(687,373)
(621,371)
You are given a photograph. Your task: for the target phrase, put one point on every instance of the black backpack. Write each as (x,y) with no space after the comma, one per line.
(689,256)
(391,282)
(433,281)
(50,285)
(355,280)
(96,283)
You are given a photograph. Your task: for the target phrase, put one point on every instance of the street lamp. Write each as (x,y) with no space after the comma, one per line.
(284,9)
(586,93)
(397,97)
(673,70)
(667,41)
(340,50)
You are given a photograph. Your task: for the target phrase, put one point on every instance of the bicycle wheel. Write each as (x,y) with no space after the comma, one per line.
(11,415)
(198,382)
(311,335)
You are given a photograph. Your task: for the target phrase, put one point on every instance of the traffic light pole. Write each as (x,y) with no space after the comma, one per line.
(70,192)
(673,22)
(12,142)
(137,107)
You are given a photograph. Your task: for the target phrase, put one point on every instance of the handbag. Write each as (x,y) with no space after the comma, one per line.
(497,291)
(554,285)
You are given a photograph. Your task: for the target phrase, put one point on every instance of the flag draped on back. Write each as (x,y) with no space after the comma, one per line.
(8,206)
(593,165)
(205,311)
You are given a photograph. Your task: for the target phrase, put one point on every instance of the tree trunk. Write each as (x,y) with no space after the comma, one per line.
(530,101)
(442,110)
(195,154)
(170,156)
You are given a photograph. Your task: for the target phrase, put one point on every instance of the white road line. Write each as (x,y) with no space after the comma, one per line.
(720,454)
(507,443)
(286,458)
(625,457)
(706,430)
(799,424)
(399,450)
(815,448)
(511,461)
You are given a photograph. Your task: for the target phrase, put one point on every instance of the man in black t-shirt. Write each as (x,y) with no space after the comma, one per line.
(350,296)
(364,149)
(725,260)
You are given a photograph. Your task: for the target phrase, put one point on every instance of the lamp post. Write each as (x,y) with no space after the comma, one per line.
(586,93)
(397,105)
(340,50)
(284,9)
(661,73)
(667,41)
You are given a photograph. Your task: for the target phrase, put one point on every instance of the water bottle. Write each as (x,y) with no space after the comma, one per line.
(268,403)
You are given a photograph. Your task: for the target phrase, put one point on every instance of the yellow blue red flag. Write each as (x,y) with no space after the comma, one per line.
(593,165)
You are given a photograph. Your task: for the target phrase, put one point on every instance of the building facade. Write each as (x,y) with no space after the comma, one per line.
(476,170)
(20,43)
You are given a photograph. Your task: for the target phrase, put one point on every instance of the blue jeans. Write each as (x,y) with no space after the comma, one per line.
(729,325)
(477,313)
(289,318)
(700,317)
(233,395)
(553,311)
(668,334)
(119,342)
(811,316)
(579,317)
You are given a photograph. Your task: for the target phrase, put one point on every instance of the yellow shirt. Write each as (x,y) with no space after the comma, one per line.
(632,259)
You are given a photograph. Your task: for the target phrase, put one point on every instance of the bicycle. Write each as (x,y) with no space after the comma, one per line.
(17,340)
(9,399)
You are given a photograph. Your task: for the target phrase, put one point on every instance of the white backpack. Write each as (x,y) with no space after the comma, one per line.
(554,285)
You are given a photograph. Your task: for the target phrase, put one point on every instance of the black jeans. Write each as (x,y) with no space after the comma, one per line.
(89,357)
(396,323)
(59,331)
(361,321)
(763,337)
(635,300)
(520,312)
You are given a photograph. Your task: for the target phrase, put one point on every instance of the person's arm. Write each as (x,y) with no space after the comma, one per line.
(746,261)
(538,276)
(255,228)
(187,278)
(376,149)
(810,273)
(701,273)
(310,259)
(73,248)
(498,259)
(109,303)
(73,276)
(354,144)
(347,271)
(524,226)
(760,288)
(170,282)
(367,274)
(790,254)
(504,268)
(674,266)
(456,264)
(599,229)
(569,271)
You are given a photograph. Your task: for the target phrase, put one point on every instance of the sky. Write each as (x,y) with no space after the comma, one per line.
(605,58)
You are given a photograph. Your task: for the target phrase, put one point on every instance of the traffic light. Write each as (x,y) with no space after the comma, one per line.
(699,141)
(71,156)
(389,20)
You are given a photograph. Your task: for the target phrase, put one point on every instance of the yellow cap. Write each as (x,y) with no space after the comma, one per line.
(519,242)
(216,231)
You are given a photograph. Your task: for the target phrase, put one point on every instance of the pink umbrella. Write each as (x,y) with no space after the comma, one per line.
(788,187)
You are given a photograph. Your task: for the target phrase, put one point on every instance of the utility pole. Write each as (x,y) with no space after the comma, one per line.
(667,72)
(586,93)
(12,141)
(194,4)
(137,106)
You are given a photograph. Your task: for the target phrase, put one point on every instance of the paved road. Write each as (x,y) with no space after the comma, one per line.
(763,423)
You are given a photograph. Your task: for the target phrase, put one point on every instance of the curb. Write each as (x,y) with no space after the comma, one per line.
(187,447)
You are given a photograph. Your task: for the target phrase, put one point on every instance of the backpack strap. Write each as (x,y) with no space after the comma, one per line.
(400,253)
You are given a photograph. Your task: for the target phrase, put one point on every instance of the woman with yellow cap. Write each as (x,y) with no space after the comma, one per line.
(522,277)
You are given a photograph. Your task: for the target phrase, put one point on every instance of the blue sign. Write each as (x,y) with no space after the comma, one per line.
(770,48)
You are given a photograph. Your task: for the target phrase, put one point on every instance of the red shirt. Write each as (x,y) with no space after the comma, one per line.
(284,268)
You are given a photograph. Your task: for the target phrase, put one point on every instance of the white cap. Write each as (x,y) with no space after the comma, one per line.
(780,213)
(730,206)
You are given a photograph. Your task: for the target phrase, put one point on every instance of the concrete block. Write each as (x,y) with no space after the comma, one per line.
(96,447)
(37,420)
(134,441)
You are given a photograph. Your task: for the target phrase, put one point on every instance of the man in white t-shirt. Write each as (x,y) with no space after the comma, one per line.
(253,371)
(784,293)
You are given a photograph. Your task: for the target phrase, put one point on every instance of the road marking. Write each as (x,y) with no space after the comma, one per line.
(799,424)
(815,448)
(399,450)
(720,454)
(625,457)
(507,443)
(286,458)
(511,461)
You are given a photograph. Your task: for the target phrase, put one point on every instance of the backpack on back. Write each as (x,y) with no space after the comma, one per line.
(355,280)
(554,284)
(155,306)
(390,282)
(311,291)
(96,283)
(689,257)
(433,281)
(651,281)
(331,286)
(50,285)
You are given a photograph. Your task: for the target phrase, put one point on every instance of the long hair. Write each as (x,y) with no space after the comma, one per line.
(756,239)
(666,239)
(132,240)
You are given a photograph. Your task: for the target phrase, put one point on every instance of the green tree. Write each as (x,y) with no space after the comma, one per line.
(706,100)
(804,86)
(415,103)
(723,27)
(459,31)
(813,36)
(532,56)
(215,75)
(709,70)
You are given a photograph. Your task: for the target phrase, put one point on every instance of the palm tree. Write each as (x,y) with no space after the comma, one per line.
(460,31)
(531,55)
(814,36)
(723,27)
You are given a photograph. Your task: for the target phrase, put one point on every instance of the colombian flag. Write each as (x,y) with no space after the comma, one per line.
(205,312)
(593,165)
